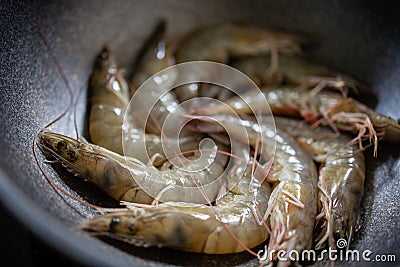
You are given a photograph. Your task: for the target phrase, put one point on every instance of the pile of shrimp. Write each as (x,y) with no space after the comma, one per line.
(303,177)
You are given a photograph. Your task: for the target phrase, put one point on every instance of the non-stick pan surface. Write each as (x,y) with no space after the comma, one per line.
(360,38)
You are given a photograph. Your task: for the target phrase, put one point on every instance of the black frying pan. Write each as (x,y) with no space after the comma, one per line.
(360,38)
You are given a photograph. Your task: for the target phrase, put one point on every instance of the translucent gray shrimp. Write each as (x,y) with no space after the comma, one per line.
(109,98)
(324,108)
(220,42)
(341,178)
(153,101)
(154,56)
(128,179)
(292,208)
(296,70)
(111,126)
(231,226)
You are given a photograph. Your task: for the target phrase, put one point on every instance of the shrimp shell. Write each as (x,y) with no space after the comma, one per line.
(112,125)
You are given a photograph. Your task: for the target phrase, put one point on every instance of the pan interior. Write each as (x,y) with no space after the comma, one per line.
(358,38)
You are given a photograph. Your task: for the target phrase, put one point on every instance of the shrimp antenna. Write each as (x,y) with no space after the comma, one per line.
(75,105)
(58,65)
(57,188)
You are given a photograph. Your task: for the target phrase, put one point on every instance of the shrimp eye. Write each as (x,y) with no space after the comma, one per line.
(114,222)
(104,55)
(61,145)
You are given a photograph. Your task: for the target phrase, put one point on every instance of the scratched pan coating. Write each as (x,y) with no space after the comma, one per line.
(360,38)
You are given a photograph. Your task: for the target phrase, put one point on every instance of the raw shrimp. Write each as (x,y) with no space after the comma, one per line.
(128,179)
(109,98)
(219,42)
(341,178)
(293,204)
(100,166)
(325,107)
(153,57)
(295,70)
(194,227)
(154,100)
(110,125)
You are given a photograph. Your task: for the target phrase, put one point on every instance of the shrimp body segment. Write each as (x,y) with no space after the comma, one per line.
(109,95)
(153,58)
